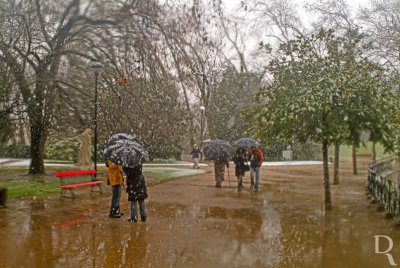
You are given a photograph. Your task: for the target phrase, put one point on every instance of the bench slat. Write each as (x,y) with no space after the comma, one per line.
(74,173)
(81,184)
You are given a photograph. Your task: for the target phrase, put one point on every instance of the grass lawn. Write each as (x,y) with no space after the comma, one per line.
(28,186)
(346,151)
(19,188)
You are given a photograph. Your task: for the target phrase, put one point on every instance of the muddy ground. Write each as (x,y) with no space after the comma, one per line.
(193,224)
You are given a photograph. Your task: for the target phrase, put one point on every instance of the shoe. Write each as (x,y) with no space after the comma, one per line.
(122,214)
(117,215)
(256,190)
(218,185)
(144,219)
(132,220)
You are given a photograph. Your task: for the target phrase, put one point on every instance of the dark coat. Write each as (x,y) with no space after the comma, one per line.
(196,153)
(135,184)
(240,162)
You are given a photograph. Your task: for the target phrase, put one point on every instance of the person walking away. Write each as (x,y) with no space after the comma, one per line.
(137,192)
(256,158)
(219,170)
(196,153)
(240,160)
(115,179)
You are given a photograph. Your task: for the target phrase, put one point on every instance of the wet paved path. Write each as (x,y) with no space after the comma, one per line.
(193,224)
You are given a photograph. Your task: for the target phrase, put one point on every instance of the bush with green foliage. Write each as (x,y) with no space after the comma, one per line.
(167,150)
(64,149)
(18,150)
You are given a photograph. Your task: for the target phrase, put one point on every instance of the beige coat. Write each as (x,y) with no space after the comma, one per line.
(219,169)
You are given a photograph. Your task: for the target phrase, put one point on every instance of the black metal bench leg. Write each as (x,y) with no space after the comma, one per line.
(62,196)
(98,185)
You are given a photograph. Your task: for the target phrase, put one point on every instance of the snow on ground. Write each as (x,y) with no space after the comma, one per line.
(178,172)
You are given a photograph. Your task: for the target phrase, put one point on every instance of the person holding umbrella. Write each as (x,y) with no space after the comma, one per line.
(137,191)
(240,160)
(115,179)
(218,151)
(256,158)
(219,170)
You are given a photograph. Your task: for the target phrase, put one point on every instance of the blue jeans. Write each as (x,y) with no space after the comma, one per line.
(116,196)
(142,209)
(257,171)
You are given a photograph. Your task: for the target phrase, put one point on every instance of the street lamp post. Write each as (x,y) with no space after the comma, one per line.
(96,67)
(202,108)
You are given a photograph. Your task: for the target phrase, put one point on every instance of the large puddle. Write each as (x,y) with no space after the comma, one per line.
(193,224)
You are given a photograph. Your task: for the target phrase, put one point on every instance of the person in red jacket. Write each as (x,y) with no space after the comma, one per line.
(256,158)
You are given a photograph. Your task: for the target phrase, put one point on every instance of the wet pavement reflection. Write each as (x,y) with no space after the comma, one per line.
(192,224)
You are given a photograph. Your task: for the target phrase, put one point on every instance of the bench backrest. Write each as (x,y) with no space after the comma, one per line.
(75,173)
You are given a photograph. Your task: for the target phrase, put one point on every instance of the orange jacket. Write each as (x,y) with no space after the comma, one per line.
(114,174)
(259,152)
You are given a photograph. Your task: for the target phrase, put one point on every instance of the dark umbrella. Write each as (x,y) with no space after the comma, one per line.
(217,149)
(117,137)
(126,153)
(246,142)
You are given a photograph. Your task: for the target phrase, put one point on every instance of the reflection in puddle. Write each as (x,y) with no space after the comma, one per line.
(264,230)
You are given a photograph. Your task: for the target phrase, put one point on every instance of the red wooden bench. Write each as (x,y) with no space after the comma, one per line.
(65,174)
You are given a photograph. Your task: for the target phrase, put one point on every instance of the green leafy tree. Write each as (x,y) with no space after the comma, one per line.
(319,95)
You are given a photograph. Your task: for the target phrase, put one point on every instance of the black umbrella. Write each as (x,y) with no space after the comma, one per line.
(126,153)
(246,142)
(117,137)
(217,149)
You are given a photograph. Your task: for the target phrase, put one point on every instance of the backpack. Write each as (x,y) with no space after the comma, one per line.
(254,160)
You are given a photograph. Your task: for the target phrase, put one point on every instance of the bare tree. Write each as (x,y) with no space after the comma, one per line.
(34,43)
(381,22)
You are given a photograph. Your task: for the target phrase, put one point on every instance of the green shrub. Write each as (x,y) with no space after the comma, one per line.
(167,150)
(65,149)
(15,151)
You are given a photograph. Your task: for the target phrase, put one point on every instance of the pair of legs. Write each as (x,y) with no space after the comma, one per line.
(196,162)
(256,171)
(134,215)
(219,181)
(240,182)
(116,197)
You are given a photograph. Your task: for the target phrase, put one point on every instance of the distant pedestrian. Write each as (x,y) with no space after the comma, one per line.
(115,179)
(195,153)
(240,160)
(137,192)
(256,158)
(219,170)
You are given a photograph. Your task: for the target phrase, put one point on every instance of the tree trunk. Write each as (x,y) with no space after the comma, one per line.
(328,202)
(38,141)
(354,152)
(336,164)
(373,151)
